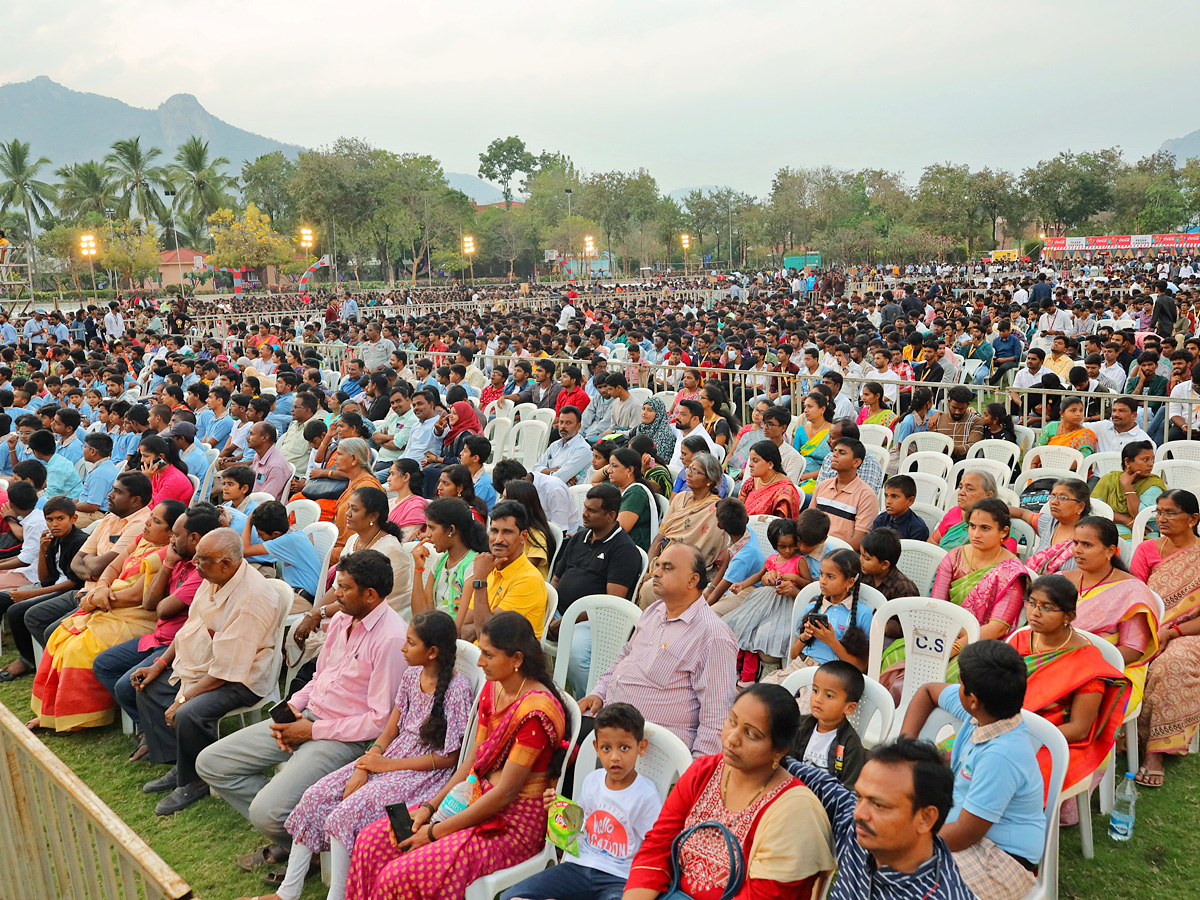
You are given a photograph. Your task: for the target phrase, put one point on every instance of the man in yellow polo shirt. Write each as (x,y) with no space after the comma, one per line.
(505,579)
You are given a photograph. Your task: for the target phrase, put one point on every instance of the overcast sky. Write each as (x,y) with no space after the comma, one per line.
(697,91)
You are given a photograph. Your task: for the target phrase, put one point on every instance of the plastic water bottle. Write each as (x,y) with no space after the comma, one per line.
(457,800)
(1120,824)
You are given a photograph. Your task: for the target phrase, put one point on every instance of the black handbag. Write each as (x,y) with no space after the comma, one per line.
(324,488)
(737,863)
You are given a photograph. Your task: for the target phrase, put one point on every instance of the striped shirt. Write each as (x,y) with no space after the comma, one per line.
(858,876)
(677,672)
(851,508)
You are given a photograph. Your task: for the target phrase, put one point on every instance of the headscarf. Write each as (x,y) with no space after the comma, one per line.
(659,431)
(467,421)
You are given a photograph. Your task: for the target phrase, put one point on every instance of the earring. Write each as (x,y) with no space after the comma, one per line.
(774,764)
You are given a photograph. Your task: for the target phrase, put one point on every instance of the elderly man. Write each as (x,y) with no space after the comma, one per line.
(885,830)
(336,715)
(222,658)
(567,457)
(272,472)
(676,668)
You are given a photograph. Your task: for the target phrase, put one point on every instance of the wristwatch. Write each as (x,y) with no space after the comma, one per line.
(478,583)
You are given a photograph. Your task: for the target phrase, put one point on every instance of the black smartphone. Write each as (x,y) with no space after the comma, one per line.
(819,619)
(401,820)
(282,714)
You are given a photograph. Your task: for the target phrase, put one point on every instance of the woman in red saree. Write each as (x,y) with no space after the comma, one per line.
(1070,684)
(518,753)
(767,490)
(782,828)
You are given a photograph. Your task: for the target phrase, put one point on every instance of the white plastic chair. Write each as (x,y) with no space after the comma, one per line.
(466,663)
(875,703)
(1189,450)
(929,514)
(667,397)
(260,496)
(1043,734)
(1029,476)
(651,503)
(759,524)
(551,608)
(1004,452)
(867,596)
(1027,540)
(930,629)
(501,409)
(487,887)
(210,474)
(527,442)
(306,512)
(1026,436)
(545,416)
(323,536)
(931,489)
(881,455)
(1001,473)
(1140,522)
(1100,464)
(286,597)
(497,431)
(927,462)
(523,412)
(919,561)
(967,372)
(196,488)
(641,395)
(929,441)
(612,620)
(1051,457)
(1179,473)
(579,492)
(836,543)
(876,435)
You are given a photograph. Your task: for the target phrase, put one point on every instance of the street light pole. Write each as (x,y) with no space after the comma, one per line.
(175,234)
(570,239)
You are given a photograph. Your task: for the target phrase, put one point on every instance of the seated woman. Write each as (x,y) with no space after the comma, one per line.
(655,426)
(452,430)
(1112,603)
(1055,526)
(768,490)
(983,576)
(654,469)
(450,530)
(781,827)
(408,509)
(541,544)
(1069,430)
(516,754)
(625,471)
(66,694)
(456,481)
(412,759)
(952,530)
(353,461)
(1070,684)
(1170,566)
(718,421)
(168,473)
(692,444)
(916,421)
(810,439)
(1132,488)
(692,519)
(875,410)
(749,435)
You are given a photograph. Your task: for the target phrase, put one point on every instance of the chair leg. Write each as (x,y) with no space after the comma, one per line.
(1108,786)
(1084,800)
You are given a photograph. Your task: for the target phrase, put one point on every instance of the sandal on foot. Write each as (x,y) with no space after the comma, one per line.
(275,877)
(272,853)
(1144,775)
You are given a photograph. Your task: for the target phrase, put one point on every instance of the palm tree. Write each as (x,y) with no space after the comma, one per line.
(137,176)
(86,187)
(21,188)
(190,231)
(202,185)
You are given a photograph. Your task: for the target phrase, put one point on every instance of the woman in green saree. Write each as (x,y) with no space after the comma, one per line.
(951,532)
(1133,488)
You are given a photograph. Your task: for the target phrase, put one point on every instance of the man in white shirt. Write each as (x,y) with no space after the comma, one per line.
(114,323)
(1181,414)
(567,314)
(883,374)
(561,508)
(1029,377)
(1121,428)
(567,457)
(1112,373)
(691,422)
(1020,295)
(1053,322)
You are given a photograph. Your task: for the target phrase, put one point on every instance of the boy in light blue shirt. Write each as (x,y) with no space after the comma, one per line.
(61,477)
(66,426)
(266,535)
(92,504)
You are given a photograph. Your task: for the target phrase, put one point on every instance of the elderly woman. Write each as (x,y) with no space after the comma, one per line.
(768,491)
(811,433)
(952,530)
(1133,488)
(353,462)
(1170,566)
(1055,526)
(780,826)
(692,519)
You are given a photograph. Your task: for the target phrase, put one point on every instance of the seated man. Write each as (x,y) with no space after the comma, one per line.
(849,502)
(997,825)
(560,507)
(885,830)
(600,558)
(504,578)
(565,458)
(222,658)
(677,666)
(338,713)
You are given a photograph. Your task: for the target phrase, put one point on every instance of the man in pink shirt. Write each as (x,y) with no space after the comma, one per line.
(272,473)
(338,713)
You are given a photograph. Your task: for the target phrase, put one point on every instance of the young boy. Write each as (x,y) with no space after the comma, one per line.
(812,528)
(274,542)
(826,739)
(619,808)
(899,494)
(879,554)
(996,827)
(237,484)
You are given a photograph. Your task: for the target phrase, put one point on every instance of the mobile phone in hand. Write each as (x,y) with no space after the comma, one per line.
(400,819)
(819,619)
(281,714)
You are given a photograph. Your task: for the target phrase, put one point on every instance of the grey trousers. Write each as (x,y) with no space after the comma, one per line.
(233,768)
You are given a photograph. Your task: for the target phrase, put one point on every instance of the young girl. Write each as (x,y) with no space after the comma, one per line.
(762,624)
(413,758)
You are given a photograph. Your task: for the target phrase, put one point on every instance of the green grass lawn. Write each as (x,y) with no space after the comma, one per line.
(201,843)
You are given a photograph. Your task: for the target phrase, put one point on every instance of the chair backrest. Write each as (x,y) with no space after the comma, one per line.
(524,411)
(834,543)
(927,462)
(527,441)
(665,760)
(998,470)
(1043,734)
(1026,436)
(559,540)
(1027,540)
(306,512)
(931,489)
(259,496)
(926,440)
(579,492)
(466,662)
(286,597)
(931,515)
(759,525)
(867,596)
(497,431)
(919,561)
(1179,473)
(876,701)
(881,454)
(611,620)
(1189,450)
(667,397)
(1100,464)
(645,562)
(323,536)
(1053,457)
(1000,451)
(876,435)
(1140,523)
(930,629)
(196,488)
(640,396)
(545,416)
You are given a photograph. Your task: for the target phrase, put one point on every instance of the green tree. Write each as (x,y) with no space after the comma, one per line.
(201,185)
(86,187)
(1071,188)
(503,159)
(506,236)
(138,178)
(546,189)
(946,203)
(995,195)
(130,249)
(265,183)
(21,189)
(247,239)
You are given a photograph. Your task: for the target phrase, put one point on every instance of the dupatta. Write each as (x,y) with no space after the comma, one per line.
(1177,580)
(496,736)
(1105,607)
(779,498)
(1109,489)
(1079,439)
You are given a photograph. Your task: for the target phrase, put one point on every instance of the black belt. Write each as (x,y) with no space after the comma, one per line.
(306,595)
(1025,864)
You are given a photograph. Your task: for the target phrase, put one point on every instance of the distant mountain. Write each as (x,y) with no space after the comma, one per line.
(71,126)
(1185,147)
(476,188)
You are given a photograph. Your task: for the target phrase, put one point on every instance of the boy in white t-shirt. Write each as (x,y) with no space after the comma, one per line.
(619,808)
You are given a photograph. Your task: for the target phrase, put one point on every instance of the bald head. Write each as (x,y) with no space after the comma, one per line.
(218,555)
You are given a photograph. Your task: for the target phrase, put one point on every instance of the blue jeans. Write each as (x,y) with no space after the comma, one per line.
(1157,421)
(569,879)
(113,667)
(580,665)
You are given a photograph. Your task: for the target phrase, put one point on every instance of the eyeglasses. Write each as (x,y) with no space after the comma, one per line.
(1065,498)
(1168,513)
(1042,607)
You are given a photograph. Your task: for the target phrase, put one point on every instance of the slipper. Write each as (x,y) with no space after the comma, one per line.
(142,751)
(1143,773)
(9,676)
(275,877)
(261,857)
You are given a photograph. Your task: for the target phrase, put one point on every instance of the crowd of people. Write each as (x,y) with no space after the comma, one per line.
(151,557)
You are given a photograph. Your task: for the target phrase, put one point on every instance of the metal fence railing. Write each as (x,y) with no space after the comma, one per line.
(60,840)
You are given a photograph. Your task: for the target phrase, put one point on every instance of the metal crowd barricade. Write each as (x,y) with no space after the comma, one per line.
(60,839)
